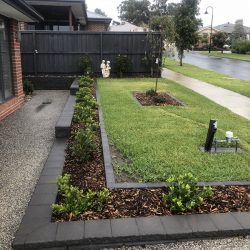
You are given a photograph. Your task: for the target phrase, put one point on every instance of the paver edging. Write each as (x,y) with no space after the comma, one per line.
(36,230)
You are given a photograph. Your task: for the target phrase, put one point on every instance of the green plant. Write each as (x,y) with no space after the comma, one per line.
(82,93)
(85,64)
(122,64)
(241,46)
(86,81)
(75,201)
(28,87)
(151,92)
(183,193)
(159,99)
(84,144)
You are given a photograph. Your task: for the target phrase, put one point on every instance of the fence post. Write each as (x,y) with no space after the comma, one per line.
(34,52)
(101,45)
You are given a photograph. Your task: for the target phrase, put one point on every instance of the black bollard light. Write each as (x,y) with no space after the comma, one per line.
(210,135)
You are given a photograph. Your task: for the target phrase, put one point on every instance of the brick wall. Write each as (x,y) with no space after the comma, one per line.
(14,103)
(93,26)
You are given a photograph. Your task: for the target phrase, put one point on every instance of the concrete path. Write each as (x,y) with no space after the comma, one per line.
(234,68)
(26,137)
(235,102)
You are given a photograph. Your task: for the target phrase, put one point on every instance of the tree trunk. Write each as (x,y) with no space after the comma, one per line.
(181,61)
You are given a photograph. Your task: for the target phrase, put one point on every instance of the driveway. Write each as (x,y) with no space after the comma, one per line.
(234,68)
(26,137)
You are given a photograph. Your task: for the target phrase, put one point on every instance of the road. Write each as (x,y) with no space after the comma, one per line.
(234,68)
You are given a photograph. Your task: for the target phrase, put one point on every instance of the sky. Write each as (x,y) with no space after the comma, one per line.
(224,10)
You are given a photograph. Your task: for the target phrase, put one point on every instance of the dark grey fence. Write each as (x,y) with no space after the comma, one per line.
(49,52)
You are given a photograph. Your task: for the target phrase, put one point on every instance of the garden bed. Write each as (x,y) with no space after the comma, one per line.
(135,202)
(157,99)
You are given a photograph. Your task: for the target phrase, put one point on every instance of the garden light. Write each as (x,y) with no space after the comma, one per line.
(229,136)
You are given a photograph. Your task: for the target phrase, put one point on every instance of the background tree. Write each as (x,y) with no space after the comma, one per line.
(159,8)
(239,31)
(186,26)
(164,24)
(100,12)
(134,11)
(219,40)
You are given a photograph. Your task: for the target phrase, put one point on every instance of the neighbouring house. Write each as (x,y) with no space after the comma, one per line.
(66,15)
(204,34)
(127,27)
(229,28)
(11,85)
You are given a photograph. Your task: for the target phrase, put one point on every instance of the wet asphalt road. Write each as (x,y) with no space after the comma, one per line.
(234,68)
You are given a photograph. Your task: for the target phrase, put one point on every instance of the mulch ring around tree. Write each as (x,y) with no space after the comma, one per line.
(159,99)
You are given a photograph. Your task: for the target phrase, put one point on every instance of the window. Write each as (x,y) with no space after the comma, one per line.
(6,88)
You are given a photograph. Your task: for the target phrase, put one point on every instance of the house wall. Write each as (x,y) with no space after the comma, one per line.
(15,102)
(95,26)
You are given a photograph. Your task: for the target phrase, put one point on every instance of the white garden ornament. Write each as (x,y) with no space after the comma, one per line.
(105,67)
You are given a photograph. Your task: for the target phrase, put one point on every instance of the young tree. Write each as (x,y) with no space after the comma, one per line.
(186,26)
(219,40)
(239,31)
(134,11)
(100,12)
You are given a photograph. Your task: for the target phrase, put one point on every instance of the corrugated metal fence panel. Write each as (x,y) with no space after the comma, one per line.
(49,52)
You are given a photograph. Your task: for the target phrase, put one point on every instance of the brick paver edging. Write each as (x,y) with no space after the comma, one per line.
(36,230)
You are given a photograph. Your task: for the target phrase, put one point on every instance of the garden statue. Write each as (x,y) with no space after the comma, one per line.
(105,69)
(103,66)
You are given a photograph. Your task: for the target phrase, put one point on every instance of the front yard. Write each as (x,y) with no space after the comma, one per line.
(160,141)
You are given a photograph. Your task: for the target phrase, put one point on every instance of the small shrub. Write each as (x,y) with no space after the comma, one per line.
(122,64)
(241,46)
(28,87)
(183,193)
(86,81)
(76,201)
(85,115)
(85,64)
(84,144)
(159,99)
(151,92)
(82,93)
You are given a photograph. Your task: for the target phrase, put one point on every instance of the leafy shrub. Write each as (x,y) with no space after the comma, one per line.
(122,64)
(83,113)
(28,87)
(86,81)
(183,193)
(82,93)
(151,92)
(85,64)
(76,201)
(88,101)
(84,144)
(241,46)
(159,99)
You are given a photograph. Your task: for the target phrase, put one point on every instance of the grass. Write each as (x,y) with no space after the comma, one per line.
(165,140)
(230,56)
(224,81)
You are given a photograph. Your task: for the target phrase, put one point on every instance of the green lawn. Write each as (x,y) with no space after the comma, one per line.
(165,140)
(230,56)
(224,81)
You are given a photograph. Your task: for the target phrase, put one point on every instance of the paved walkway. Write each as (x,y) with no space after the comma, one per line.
(235,102)
(26,137)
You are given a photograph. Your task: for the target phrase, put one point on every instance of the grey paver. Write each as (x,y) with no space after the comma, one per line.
(98,229)
(124,227)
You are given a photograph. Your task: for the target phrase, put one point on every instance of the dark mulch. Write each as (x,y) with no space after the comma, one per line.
(140,202)
(161,99)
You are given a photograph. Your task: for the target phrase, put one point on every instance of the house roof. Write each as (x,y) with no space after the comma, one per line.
(92,16)
(207,27)
(77,6)
(19,10)
(126,27)
(229,27)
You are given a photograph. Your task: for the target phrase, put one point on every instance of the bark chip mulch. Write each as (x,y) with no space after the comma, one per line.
(161,99)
